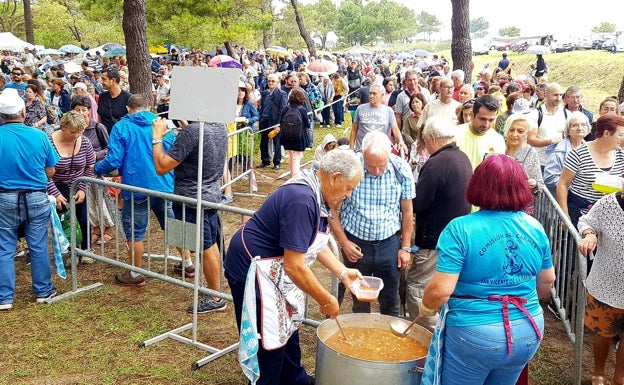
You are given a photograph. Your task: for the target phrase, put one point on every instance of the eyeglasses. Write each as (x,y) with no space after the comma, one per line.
(16,73)
(270,81)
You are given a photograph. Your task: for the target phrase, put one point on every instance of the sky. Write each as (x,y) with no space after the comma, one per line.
(571,18)
(564,19)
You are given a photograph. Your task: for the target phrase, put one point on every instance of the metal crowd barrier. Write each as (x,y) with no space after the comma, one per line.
(176,234)
(568,293)
(240,156)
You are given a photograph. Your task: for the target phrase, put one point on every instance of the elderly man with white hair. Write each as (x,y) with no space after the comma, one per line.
(375,226)
(440,197)
(28,163)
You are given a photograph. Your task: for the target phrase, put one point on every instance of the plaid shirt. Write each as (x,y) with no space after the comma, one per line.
(373,212)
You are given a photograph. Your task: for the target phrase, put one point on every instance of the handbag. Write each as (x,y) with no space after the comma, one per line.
(65,218)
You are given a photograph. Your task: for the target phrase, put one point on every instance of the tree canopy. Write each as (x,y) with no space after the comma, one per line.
(509,31)
(206,24)
(604,27)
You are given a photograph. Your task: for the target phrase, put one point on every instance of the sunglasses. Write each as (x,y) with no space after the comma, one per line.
(16,74)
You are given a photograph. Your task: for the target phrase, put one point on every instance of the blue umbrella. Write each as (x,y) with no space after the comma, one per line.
(70,48)
(115,51)
(109,46)
(50,51)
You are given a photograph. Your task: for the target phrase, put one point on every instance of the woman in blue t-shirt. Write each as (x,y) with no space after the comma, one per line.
(493,265)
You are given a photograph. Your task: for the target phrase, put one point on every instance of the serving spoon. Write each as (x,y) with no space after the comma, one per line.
(397,326)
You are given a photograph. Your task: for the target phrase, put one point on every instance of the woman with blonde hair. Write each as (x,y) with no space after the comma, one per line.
(76,160)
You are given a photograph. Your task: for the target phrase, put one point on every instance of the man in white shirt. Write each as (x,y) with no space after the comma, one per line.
(444,106)
(551,123)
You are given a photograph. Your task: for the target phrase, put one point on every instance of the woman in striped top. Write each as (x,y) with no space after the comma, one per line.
(575,194)
(76,160)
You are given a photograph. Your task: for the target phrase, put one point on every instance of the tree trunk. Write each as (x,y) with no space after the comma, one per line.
(139,61)
(229,49)
(461,49)
(302,29)
(266,8)
(621,92)
(28,23)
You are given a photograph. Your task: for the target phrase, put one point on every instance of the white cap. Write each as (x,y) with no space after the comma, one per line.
(10,102)
(80,85)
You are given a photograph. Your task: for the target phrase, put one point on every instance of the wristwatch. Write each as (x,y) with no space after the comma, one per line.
(156,141)
(406,249)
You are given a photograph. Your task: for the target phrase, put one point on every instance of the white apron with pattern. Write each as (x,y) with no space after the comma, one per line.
(283,303)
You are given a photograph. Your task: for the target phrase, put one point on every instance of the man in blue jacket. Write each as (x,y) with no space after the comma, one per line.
(271,105)
(130,152)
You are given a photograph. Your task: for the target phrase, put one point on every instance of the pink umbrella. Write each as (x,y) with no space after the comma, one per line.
(321,67)
(224,61)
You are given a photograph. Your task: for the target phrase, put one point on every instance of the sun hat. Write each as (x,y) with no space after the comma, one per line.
(10,102)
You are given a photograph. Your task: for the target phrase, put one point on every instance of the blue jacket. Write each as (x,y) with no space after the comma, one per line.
(64,102)
(249,111)
(271,106)
(130,151)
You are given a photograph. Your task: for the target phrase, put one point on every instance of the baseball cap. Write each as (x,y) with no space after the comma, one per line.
(10,102)
(521,106)
(80,85)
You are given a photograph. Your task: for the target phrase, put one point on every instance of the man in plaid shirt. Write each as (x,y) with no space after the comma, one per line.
(376,222)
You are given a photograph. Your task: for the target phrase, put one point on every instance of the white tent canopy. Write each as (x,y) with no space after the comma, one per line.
(10,42)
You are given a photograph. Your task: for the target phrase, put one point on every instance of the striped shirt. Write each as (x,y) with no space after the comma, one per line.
(581,163)
(373,212)
(68,169)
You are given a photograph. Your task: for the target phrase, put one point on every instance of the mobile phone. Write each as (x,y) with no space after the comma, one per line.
(170,124)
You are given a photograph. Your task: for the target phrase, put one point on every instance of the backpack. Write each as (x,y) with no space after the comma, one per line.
(540,115)
(291,125)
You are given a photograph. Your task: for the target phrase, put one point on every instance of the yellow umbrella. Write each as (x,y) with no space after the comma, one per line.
(158,49)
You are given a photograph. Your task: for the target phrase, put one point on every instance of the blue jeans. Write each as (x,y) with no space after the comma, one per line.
(33,212)
(380,260)
(136,220)
(338,108)
(326,114)
(478,354)
(277,367)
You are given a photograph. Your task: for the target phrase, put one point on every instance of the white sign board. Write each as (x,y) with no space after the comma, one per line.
(204,94)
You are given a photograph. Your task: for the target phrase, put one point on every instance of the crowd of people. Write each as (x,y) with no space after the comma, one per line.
(431,162)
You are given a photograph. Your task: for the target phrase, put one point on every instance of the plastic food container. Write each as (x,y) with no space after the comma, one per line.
(370,293)
(607,184)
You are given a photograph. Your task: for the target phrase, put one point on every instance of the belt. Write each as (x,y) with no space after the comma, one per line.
(21,197)
(20,191)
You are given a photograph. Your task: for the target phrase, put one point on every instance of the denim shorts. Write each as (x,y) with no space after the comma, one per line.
(212,225)
(135,216)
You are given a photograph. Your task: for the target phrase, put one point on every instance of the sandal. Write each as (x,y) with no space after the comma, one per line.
(599,380)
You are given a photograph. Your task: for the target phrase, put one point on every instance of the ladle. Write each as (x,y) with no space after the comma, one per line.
(341,331)
(397,326)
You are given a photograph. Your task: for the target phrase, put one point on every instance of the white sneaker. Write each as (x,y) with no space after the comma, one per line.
(6,306)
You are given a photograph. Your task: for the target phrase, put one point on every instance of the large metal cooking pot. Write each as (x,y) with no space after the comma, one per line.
(335,368)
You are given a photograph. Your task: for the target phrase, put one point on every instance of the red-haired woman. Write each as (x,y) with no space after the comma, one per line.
(489,279)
